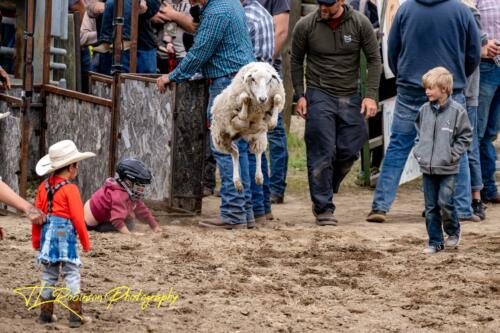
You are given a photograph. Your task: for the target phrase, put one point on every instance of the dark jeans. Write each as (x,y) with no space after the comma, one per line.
(335,132)
(146,62)
(108,227)
(278,155)
(439,207)
(107,30)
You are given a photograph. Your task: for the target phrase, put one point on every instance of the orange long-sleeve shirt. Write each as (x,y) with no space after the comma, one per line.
(68,204)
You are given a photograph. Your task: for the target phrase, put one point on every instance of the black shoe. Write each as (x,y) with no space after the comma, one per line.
(478,209)
(377,216)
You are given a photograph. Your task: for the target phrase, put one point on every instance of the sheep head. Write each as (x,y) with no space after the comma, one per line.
(259,80)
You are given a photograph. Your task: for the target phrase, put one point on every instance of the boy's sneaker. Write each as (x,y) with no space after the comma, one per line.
(478,209)
(377,216)
(431,249)
(453,241)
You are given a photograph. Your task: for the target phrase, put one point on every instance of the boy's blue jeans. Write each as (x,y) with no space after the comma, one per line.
(403,135)
(146,62)
(50,275)
(488,126)
(439,207)
(235,208)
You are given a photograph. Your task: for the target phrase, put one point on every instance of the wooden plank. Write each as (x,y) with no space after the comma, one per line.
(134,27)
(72,57)
(10,146)
(145,131)
(88,125)
(189,145)
(20,7)
(11,100)
(376,142)
(78,95)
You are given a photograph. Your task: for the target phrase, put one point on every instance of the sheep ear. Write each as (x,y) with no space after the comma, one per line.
(276,78)
(248,77)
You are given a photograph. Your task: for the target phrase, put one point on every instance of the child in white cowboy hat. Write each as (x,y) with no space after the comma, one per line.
(60,200)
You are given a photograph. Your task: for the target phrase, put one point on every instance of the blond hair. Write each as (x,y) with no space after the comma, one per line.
(438,77)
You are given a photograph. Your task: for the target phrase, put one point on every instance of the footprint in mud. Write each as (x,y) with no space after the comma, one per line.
(128,247)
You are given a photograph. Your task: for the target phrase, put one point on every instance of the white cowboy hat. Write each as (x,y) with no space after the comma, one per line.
(61,154)
(4,115)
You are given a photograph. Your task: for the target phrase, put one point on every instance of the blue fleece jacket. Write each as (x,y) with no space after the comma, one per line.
(430,33)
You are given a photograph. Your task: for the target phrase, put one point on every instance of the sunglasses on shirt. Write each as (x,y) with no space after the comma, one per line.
(326,4)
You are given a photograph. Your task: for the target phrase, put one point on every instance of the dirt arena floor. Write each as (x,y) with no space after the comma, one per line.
(288,275)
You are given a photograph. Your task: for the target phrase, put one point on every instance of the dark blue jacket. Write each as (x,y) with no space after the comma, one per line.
(430,33)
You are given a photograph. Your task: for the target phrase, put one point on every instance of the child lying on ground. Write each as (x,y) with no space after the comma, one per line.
(115,205)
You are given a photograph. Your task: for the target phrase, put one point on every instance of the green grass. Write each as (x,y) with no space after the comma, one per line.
(296,153)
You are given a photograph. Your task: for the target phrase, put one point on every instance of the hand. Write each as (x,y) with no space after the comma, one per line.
(157,19)
(369,107)
(161,82)
(301,107)
(35,215)
(491,49)
(157,229)
(2,233)
(170,48)
(168,12)
(143,7)
(4,78)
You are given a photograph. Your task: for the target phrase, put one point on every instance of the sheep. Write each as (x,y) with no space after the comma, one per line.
(247,109)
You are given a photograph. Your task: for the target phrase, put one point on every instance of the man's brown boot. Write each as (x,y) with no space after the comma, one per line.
(46,311)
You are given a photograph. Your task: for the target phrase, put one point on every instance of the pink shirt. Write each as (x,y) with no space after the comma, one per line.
(112,203)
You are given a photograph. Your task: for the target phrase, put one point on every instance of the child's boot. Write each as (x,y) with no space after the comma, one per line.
(47,311)
(76,318)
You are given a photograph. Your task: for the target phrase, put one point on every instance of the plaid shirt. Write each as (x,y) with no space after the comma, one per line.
(221,45)
(490,17)
(261,29)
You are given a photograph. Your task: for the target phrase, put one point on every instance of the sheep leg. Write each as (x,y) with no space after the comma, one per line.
(235,156)
(258,147)
(244,100)
(277,100)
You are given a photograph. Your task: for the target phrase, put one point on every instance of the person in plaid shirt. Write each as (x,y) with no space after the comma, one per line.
(221,47)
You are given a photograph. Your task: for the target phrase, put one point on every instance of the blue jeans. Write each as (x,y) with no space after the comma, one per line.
(402,139)
(107,30)
(278,154)
(50,275)
(146,62)
(261,194)
(439,209)
(488,125)
(235,208)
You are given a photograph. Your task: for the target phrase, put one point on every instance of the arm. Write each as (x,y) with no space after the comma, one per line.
(153,8)
(144,215)
(394,44)
(472,46)
(371,50)
(184,21)
(76,212)
(299,50)
(88,33)
(280,32)
(463,136)
(206,42)
(4,78)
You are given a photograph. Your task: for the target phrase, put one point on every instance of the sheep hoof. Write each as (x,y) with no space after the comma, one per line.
(259,180)
(238,185)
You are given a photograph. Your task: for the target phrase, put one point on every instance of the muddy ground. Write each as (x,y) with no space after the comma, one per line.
(287,276)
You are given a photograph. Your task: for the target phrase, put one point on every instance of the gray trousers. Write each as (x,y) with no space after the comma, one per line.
(50,275)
